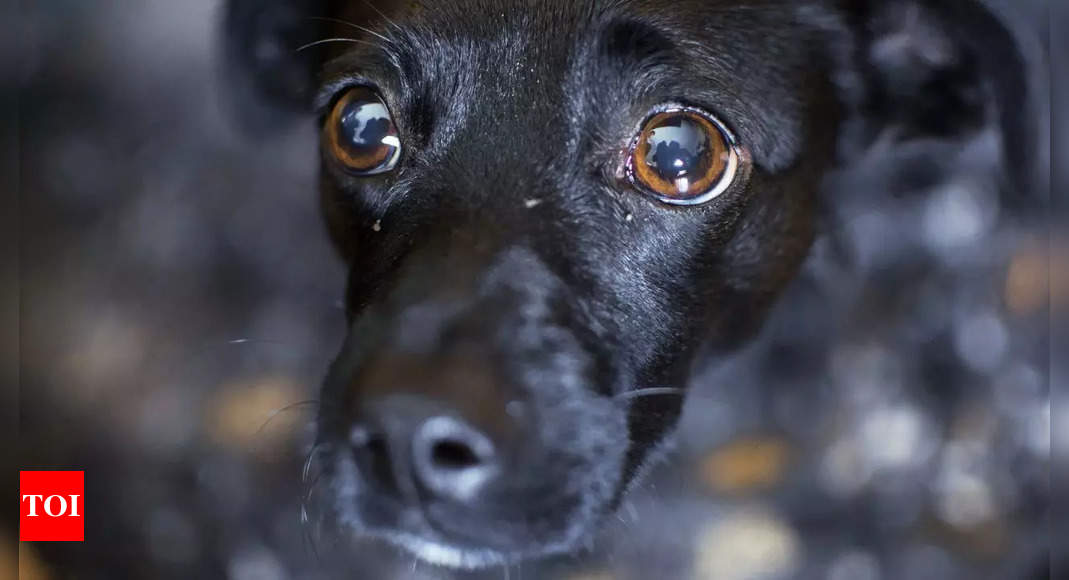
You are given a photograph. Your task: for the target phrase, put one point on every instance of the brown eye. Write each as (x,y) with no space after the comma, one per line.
(684,157)
(361,134)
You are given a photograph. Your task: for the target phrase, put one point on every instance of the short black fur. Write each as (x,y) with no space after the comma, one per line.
(507,274)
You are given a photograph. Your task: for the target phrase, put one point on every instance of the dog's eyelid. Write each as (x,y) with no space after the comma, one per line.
(711,110)
(333,89)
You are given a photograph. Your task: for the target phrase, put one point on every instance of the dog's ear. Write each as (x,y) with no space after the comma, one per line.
(931,80)
(267,76)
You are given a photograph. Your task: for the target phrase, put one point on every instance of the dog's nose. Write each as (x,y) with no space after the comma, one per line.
(413,445)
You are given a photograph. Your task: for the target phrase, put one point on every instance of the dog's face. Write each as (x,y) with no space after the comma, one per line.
(546,209)
(514,267)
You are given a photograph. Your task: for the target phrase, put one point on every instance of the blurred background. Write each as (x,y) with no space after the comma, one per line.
(180,303)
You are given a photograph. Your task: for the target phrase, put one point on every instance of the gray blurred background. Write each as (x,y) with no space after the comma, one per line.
(179,304)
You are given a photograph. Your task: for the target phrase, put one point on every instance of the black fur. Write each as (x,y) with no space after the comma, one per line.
(508,272)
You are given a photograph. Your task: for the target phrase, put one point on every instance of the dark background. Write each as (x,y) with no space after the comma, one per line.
(179,304)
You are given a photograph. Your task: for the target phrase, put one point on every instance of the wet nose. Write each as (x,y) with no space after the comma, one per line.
(414,444)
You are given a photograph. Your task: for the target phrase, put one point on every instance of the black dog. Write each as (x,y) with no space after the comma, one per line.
(549,208)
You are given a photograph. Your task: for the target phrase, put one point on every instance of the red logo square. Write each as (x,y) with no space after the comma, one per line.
(51,506)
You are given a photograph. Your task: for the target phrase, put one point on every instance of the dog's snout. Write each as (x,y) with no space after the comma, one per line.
(470,380)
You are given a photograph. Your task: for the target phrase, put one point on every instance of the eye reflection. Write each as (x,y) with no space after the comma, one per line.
(361,133)
(683,157)
(676,151)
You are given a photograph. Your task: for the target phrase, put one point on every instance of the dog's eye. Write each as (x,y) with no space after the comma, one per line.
(361,134)
(683,156)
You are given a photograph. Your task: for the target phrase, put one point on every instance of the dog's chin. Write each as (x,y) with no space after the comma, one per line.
(439,549)
(446,555)
(429,545)
(442,553)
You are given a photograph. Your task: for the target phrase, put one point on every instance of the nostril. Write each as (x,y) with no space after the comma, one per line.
(372,454)
(452,459)
(380,456)
(453,455)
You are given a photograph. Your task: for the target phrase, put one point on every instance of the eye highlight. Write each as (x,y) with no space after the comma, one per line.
(361,135)
(683,156)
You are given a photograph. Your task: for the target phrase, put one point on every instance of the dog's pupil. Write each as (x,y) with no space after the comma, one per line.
(364,127)
(678,148)
(362,133)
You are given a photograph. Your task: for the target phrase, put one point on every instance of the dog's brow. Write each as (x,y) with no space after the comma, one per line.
(634,44)
(364,66)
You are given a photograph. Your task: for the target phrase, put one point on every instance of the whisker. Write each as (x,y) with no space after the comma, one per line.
(308,532)
(350,24)
(381,14)
(255,341)
(309,527)
(307,497)
(279,411)
(308,462)
(326,40)
(650,392)
(171,368)
(234,342)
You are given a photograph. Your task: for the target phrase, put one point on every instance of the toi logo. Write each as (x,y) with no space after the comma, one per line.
(51,504)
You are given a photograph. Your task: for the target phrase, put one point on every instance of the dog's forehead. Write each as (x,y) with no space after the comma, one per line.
(502,45)
(485,19)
